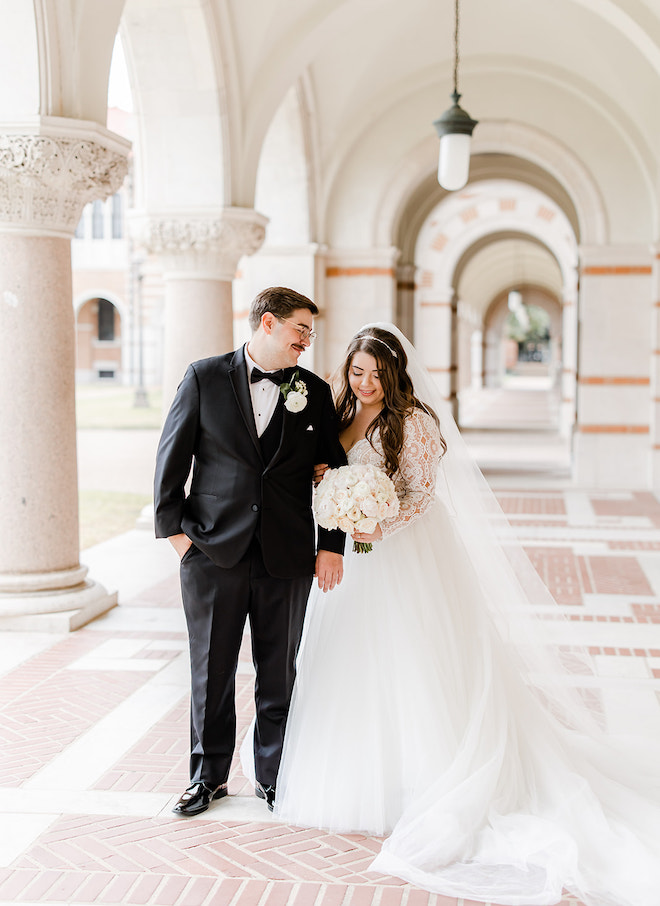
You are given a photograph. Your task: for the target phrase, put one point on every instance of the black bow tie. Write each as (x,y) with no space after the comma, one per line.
(277,377)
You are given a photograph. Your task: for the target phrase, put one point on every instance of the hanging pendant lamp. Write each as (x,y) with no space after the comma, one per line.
(454,128)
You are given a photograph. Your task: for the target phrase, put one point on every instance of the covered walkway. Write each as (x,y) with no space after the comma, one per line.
(96,720)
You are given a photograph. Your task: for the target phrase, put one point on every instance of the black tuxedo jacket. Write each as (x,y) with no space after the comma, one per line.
(234,491)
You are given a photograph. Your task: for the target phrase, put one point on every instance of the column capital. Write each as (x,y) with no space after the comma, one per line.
(207,245)
(51,170)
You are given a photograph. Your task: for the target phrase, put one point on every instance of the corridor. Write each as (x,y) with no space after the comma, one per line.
(96,720)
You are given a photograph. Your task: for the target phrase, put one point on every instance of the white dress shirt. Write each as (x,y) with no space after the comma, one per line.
(264,396)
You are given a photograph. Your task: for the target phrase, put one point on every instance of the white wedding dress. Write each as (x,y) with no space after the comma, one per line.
(415,715)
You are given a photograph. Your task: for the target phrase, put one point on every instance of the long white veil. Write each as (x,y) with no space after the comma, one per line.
(596,792)
(525,614)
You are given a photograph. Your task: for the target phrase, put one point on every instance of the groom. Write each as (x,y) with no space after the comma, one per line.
(252,424)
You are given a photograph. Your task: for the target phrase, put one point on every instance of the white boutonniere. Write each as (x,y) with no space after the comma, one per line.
(294,393)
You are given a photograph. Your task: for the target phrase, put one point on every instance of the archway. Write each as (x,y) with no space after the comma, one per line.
(98,341)
(474,249)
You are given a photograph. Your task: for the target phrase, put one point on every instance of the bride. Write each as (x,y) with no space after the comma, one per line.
(429,704)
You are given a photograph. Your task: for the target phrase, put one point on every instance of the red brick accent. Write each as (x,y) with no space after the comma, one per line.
(359,272)
(646,613)
(559,569)
(618,576)
(620,381)
(545,213)
(439,242)
(639,503)
(616,271)
(613,429)
(532,505)
(469,214)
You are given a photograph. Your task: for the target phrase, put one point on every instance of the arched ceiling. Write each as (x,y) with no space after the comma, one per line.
(381,72)
(492,236)
(493,166)
(210,75)
(502,264)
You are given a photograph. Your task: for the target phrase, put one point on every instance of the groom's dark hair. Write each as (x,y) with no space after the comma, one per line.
(281,301)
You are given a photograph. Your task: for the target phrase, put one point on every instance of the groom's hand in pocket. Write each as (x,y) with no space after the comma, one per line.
(329,569)
(181,543)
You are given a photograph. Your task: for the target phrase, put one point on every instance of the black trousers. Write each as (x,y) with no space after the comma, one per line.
(217,602)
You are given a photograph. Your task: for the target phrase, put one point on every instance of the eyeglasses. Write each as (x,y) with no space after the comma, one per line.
(306,333)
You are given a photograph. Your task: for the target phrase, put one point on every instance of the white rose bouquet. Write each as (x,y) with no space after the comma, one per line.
(355,499)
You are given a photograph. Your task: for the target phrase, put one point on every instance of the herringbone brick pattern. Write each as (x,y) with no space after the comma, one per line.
(562,572)
(548,504)
(156,890)
(158,762)
(128,849)
(196,862)
(45,707)
(636,504)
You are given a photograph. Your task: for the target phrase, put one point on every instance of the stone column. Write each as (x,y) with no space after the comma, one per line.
(405,303)
(612,442)
(360,287)
(46,178)
(435,338)
(655,371)
(567,410)
(199,255)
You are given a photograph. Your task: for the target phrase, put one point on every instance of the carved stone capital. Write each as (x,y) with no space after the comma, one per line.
(46,180)
(202,245)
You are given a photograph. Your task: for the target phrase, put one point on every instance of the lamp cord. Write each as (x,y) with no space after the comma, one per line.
(456,47)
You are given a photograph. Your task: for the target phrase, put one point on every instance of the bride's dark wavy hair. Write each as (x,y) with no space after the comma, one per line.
(399,399)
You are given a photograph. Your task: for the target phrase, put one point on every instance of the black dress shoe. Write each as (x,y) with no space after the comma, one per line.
(197,798)
(267,793)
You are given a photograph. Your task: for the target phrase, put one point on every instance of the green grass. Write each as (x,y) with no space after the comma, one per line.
(104,514)
(113,406)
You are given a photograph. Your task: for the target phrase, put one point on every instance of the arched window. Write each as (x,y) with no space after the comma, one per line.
(117,211)
(106,320)
(97,220)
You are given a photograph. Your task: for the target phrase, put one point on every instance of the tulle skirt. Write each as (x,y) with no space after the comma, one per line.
(410,718)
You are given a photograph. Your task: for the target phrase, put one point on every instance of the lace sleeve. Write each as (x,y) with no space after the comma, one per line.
(418,466)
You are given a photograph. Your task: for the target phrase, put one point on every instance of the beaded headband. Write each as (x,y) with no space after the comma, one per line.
(370,336)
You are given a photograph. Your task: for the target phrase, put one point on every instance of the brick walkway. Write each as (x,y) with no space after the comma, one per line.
(95,724)
(95,729)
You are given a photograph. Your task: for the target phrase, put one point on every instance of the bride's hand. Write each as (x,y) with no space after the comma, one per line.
(368,539)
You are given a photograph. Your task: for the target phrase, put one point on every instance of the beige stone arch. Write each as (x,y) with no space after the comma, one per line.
(645,38)
(101,293)
(93,356)
(446,263)
(74,42)
(436,325)
(563,168)
(509,268)
(505,151)
(284,186)
(183,149)
(280,51)
(538,285)
(493,323)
